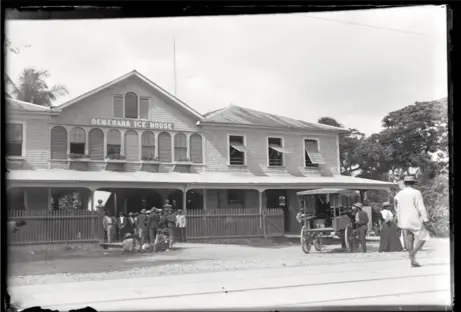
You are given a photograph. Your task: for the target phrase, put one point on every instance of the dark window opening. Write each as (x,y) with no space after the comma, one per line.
(275,152)
(235,197)
(14,140)
(131,105)
(237,150)
(113,149)
(77,148)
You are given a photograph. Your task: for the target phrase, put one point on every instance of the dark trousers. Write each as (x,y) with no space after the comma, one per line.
(180,234)
(362,231)
(152,235)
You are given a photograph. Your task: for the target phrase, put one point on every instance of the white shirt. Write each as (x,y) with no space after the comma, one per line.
(387,215)
(410,209)
(181,221)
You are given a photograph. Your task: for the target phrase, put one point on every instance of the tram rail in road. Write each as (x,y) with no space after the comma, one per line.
(351,283)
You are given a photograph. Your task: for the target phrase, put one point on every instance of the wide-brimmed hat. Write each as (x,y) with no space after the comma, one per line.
(128,235)
(409,178)
(167,206)
(148,211)
(130,214)
(358,205)
(386,204)
(143,211)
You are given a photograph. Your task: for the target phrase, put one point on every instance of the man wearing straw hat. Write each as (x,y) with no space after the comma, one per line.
(361,224)
(141,225)
(412,217)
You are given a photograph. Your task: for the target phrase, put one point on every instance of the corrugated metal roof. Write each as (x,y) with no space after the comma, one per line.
(234,114)
(14,104)
(204,178)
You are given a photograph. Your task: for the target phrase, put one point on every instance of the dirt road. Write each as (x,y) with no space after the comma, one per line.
(251,277)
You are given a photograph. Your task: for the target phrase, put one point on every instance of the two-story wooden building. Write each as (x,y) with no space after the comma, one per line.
(132,138)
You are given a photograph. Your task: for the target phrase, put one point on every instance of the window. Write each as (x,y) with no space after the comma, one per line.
(131,105)
(235,197)
(237,150)
(164,147)
(77,141)
(275,151)
(312,155)
(196,148)
(113,143)
(180,147)
(144,108)
(118,107)
(59,143)
(14,139)
(148,145)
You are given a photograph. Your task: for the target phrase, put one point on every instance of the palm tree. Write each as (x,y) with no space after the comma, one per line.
(32,87)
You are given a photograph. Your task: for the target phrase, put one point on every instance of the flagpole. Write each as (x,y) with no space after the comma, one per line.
(174,64)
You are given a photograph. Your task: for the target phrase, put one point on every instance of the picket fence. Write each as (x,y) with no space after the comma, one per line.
(81,226)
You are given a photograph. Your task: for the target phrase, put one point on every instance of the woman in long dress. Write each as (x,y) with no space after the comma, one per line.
(390,236)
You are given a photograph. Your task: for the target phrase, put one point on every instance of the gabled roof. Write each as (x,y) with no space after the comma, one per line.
(134,73)
(238,115)
(17,105)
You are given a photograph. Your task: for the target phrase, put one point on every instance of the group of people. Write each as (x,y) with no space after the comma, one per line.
(145,228)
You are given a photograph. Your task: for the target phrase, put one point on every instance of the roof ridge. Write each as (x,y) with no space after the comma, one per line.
(299,120)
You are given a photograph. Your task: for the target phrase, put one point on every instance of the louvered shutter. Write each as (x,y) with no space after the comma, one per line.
(131,145)
(164,147)
(58,143)
(144,109)
(118,106)
(96,144)
(196,148)
(148,144)
(180,146)
(77,135)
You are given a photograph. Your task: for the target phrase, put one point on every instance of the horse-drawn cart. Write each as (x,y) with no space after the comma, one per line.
(317,227)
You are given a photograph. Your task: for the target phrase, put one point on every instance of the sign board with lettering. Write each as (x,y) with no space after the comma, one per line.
(132,124)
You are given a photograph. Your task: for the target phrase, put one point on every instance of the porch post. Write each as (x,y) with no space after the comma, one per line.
(204,199)
(50,199)
(115,203)
(184,200)
(262,219)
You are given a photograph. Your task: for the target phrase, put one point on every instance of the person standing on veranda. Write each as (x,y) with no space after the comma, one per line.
(109,226)
(412,217)
(181,226)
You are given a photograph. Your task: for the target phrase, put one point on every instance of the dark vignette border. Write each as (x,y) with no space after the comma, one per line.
(60,9)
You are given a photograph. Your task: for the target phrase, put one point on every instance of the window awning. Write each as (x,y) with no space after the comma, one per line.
(279,149)
(239,147)
(313,152)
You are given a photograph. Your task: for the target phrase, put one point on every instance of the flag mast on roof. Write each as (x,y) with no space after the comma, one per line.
(174,64)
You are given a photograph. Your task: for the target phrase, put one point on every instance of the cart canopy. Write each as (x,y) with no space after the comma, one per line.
(321,191)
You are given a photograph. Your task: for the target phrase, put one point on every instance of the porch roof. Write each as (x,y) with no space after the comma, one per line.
(209,179)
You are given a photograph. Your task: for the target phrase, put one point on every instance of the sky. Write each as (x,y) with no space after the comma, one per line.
(354,66)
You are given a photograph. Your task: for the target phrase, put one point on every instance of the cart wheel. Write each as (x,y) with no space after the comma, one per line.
(306,241)
(318,243)
(348,238)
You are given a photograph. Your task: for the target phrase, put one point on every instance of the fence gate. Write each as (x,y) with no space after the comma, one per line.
(228,223)
(274,222)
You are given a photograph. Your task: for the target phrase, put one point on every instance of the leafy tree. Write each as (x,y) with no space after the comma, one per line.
(12,48)
(330,122)
(349,142)
(32,87)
